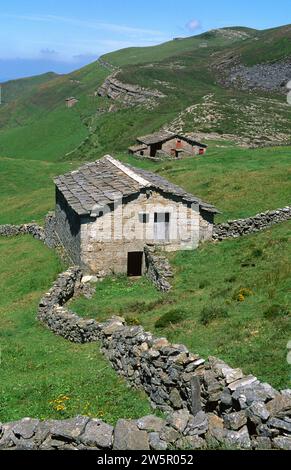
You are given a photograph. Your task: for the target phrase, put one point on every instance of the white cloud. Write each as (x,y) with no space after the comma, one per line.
(110,27)
(48,52)
(193,25)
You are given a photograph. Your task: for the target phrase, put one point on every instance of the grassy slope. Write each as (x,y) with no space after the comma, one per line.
(26,189)
(38,367)
(36,124)
(212,277)
(13,89)
(143,55)
(227,176)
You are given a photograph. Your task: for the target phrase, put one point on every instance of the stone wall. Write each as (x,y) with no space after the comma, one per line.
(25,229)
(209,399)
(51,238)
(59,319)
(158,269)
(68,228)
(83,433)
(107,240)
(262,221)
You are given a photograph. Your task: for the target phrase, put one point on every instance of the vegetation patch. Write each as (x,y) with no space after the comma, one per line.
(171,317)
(276,311)
(212,313)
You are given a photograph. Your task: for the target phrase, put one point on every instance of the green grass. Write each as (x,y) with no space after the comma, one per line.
(207,290)
(239,182)
(38,367)
(26,189)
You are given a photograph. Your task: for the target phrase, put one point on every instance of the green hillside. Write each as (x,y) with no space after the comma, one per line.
(35,124)
(14,89)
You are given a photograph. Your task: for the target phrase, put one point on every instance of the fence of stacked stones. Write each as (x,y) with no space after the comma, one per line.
(209,403)
(207,399)
(240,227)
(158,267)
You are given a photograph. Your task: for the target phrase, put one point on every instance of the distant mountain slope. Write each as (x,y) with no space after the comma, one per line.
(17,88)
(227,83)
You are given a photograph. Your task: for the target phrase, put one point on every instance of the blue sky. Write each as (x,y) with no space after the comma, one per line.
(62,35)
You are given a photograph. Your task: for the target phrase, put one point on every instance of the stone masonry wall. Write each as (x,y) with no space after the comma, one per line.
(158,269)
(68,228)
(60,320)
(25,229)
(210,400)
(262,221)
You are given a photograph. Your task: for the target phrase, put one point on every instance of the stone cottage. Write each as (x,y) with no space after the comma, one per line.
(107,212)
(165,143)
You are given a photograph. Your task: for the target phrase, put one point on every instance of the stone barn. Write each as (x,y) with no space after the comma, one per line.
(70,102)
(107,212)
(167,144)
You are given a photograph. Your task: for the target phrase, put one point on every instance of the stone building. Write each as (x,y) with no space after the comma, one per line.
(70,102)
(107,212)
(168,144)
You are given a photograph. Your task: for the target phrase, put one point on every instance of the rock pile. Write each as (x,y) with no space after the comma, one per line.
(267,77)
(262,221)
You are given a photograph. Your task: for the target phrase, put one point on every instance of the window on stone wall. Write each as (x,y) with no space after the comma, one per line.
(144,218)
(162,226)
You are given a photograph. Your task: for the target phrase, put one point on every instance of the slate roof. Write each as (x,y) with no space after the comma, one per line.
(100,183)
(164,136)
(138,147)
(161,136)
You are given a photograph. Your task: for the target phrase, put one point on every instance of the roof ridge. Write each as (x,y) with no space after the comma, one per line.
(128,171)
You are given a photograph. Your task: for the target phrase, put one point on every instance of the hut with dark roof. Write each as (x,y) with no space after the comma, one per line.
(167,144)
(108,211)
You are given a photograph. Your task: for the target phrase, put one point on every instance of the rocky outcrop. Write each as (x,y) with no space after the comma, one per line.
(240,227)
(267,77)
(107,65)
(25,229)
(159,270)
(129,95)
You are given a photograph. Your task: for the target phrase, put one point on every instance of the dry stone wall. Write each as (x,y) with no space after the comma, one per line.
(58,318)
(25,229)
(262,221)
(158,269)
(207,401)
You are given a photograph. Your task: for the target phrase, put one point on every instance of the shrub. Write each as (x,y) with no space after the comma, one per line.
(211,313)
(204,283)
(132,321)
(173,316)
(257,252)
(276,311)
(241,294)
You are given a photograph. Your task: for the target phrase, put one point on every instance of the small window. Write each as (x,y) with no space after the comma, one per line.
(162,217)
(144,218)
